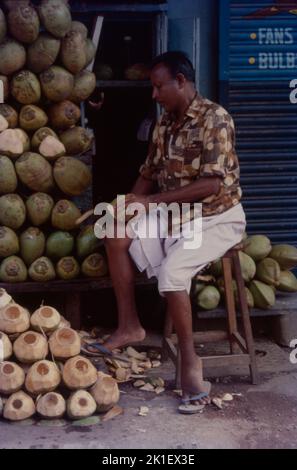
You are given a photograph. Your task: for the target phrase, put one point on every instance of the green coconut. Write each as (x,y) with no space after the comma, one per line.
(3,26)
(59,244)
(248,266)
(12,211)
(208,298)
(40,135)
(137,72)
(79,28)
(73,52)
(35,172)
(84,85)
(42,54)
(23,22)
(39,208)
(8,178)
(10,115)
(64,215)
(64,115)
(13,57)
(257,247)
(268,271)
(32,118)
(249,298)
(13,269)
(285,255)
(287,282)
(5,85)
(25,87)
(32,243)
(94,266)
(9,243)
(103,71)
(263,295)
(42,270)
(56,83)
(67,268)
(72,176)
(87,242)
(76,140)
(90,49)
(55,17)
(198,287)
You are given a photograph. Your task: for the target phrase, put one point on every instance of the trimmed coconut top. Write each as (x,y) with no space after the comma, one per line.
(30,338)
(7,369)
(66,336)
(13,312)
(43,369)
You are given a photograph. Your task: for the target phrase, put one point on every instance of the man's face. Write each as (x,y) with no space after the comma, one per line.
(166,89)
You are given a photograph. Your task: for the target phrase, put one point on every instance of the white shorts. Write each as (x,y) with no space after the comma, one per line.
(174,265)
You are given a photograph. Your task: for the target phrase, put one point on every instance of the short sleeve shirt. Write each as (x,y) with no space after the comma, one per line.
(203,145)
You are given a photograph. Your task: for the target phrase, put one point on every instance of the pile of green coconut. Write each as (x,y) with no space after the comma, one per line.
(42,371)
(44,57)
(266,270)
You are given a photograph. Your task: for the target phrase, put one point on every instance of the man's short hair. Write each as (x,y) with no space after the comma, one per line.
(176,62)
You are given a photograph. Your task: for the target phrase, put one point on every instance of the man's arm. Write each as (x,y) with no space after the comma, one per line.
(143,186)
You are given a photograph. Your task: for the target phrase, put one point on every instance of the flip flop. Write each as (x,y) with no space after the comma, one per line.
(102,351)
(188,408)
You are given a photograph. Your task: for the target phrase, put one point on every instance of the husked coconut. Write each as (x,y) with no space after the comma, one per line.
(32,244)
(5,347)
(105,392)
(12,211)
(3,26)
(25,87)
(13,269)
(94,266)
(40,135)
(90,49)
(45,319)
(13,57)
(9,242)
(3,123)
(67,268)
(18,407)
(43,53)
(64,343)
(63,115)
(24,138)
(56,83)
(42,377)
(76,140)
(79,27)
(84,85)
(5,85)
(64,215)
(23,23)
(8,178)
(73,52)
(11,144)
(72,176)
(35,172)
(52,148)
(10,115)
(55,17)
(12,377)
(14,319)
(42,270)
(32,118)
(39,207)
(51,405)
(80,405)
(5,298)
(30,347)
(78,373)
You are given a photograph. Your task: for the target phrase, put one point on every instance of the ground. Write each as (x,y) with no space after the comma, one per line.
(260,416)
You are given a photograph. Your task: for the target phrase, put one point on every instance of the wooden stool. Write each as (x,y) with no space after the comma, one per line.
(230,263)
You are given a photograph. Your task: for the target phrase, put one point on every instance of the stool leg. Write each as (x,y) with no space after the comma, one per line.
(246,319)
(230,303)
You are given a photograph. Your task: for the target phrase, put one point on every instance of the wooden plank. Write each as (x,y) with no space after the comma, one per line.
(227,360)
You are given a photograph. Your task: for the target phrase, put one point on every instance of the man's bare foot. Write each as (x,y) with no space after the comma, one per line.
(192,383)
(121,338)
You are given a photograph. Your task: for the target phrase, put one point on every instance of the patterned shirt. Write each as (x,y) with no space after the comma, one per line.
(202,145)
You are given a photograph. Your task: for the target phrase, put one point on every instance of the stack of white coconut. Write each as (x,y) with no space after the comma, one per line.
(47,374)
(43,68)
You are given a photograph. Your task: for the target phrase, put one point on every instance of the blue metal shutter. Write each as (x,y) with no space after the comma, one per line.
(258,60)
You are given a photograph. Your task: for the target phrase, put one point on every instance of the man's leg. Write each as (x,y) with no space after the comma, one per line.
(179,308)
(122,272)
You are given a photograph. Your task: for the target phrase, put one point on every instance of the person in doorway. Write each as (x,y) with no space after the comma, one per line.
(191,160)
